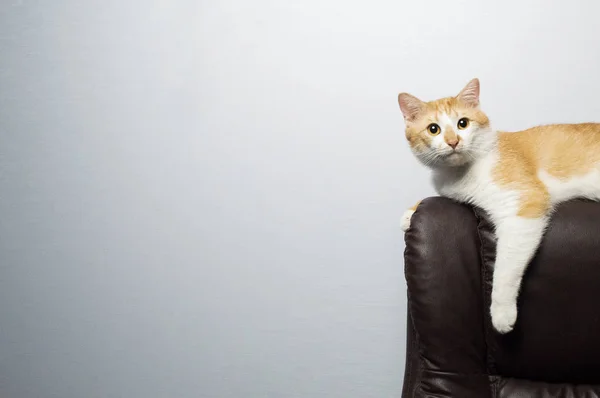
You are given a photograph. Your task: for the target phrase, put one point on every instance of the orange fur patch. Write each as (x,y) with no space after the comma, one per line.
(563,151)
(414,208)
(450,136)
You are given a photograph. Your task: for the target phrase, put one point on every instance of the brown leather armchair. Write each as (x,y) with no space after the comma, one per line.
(452,349)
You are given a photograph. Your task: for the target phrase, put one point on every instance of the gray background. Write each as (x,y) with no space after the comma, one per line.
(202,198)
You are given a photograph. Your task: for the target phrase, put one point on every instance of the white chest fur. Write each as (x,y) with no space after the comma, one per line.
(474,184)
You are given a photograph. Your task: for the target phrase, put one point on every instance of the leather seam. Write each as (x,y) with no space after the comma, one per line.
(418,387)
(409,370)
(409,373)
(484,277)
(459,373)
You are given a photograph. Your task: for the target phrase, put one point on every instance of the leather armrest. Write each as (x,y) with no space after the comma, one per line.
(452,349)
(445,302)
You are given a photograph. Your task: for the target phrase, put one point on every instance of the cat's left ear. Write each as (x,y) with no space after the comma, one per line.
(470,94)
(410,106)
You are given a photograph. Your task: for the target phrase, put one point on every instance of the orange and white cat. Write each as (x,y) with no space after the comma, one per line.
(518,178)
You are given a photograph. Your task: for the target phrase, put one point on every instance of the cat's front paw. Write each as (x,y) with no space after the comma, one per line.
(504,316)
(405,221)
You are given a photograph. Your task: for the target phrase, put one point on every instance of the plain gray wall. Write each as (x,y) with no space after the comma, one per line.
(202,199)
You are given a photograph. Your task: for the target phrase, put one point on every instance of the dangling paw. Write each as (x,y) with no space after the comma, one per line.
(504,316)
(405,221)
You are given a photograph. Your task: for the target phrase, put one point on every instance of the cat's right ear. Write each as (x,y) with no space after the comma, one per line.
(410,106)
(470,94)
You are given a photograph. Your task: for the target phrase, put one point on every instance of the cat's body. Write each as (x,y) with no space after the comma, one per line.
(556,163)
(518,178)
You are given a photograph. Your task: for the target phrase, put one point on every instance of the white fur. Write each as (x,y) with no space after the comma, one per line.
(518,240)
(561,190)
(405,220)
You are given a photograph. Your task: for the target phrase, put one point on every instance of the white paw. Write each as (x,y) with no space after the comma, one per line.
(405,221)
(504,316)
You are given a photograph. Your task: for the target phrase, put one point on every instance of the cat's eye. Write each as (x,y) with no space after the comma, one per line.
(433,129)
(463,123)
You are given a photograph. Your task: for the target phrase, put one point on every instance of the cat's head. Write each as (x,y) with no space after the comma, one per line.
(447,132)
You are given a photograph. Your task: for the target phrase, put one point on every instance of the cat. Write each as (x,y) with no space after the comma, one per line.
(517,178)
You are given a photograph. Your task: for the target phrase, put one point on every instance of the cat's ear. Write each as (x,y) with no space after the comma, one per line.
(470,94)
(410,106)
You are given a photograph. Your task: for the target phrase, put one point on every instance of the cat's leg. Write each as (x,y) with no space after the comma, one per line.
(518,240)
(405,220)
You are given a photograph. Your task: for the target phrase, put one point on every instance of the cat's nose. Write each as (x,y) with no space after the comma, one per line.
(453,143)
